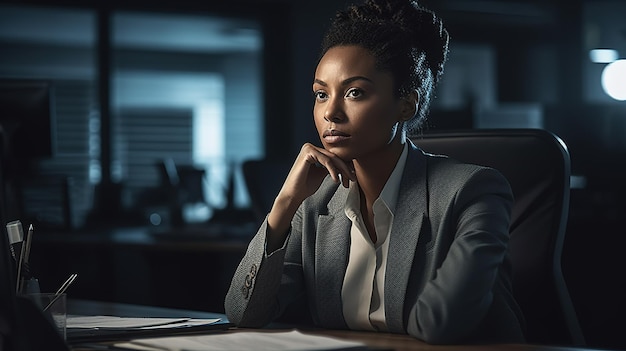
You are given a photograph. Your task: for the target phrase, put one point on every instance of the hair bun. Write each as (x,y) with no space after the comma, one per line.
(430,36)
(421,26)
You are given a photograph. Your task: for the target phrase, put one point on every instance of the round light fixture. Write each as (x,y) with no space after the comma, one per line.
(614,79)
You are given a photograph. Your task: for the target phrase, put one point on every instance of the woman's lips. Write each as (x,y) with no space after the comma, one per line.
(333,136)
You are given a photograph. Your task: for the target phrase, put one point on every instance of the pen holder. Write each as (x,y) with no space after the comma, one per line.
(54,308)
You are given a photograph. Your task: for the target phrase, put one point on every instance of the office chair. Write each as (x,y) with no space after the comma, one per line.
(182,184)
(537,165)
(264,178)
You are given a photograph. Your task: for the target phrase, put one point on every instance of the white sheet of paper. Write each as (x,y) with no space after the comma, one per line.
(191,322)
(271,341)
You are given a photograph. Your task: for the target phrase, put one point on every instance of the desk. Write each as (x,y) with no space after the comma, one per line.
(377,341)
(400,342)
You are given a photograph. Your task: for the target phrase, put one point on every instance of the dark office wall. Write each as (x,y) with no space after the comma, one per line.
(309,22)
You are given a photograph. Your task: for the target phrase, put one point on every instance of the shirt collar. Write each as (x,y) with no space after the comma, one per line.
(389,194)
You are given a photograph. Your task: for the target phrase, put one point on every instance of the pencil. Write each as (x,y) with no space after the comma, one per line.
(29,238)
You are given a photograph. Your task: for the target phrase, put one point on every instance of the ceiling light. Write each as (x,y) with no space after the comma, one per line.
(603,55)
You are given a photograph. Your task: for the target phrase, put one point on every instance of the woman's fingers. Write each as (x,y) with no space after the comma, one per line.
(339,170)
(307,173)
(312,165)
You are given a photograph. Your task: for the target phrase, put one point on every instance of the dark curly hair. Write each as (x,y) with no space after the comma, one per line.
(407,40)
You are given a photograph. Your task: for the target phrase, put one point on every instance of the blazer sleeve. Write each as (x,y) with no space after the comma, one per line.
(265,283)
(472,237)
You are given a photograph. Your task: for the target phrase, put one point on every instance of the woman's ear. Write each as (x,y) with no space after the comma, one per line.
(410,104)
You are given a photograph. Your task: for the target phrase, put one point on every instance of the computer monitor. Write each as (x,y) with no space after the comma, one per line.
(26,118)
(27,130)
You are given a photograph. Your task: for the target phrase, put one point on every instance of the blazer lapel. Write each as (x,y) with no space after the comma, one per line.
(331,260)
(407,225)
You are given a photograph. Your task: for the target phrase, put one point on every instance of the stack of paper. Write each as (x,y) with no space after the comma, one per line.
(133,323)
(89,329)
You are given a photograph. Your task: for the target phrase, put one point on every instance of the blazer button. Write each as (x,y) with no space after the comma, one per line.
(253,270)
(245,291)
(248,281)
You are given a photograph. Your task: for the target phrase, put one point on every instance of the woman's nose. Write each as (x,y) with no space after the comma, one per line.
(334,111)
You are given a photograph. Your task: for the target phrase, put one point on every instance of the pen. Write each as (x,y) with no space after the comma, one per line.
(25,269)
(18,288)
(17,226)
(66,284)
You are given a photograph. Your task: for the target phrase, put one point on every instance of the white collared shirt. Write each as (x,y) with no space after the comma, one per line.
(363,291)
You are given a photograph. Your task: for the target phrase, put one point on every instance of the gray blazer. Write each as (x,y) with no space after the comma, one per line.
(448,277)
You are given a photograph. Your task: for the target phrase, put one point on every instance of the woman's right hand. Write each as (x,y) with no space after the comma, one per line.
(305,177)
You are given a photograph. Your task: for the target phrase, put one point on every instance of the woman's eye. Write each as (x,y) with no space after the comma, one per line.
(354,93)
(319,95)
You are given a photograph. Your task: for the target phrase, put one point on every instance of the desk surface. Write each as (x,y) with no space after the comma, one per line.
(377,341)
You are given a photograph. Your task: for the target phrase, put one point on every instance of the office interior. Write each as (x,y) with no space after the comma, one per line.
(155,106)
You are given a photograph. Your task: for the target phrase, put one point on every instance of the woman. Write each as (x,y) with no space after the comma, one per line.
(368,230)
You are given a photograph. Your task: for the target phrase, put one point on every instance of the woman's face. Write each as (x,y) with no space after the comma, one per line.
(355,112)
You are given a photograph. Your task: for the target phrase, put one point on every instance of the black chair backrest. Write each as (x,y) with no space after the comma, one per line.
(537,165)
(264,178)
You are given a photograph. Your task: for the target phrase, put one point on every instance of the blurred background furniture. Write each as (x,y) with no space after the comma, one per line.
(183,184)
(264,178)
(45,201)
(537,164)
(27,128)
